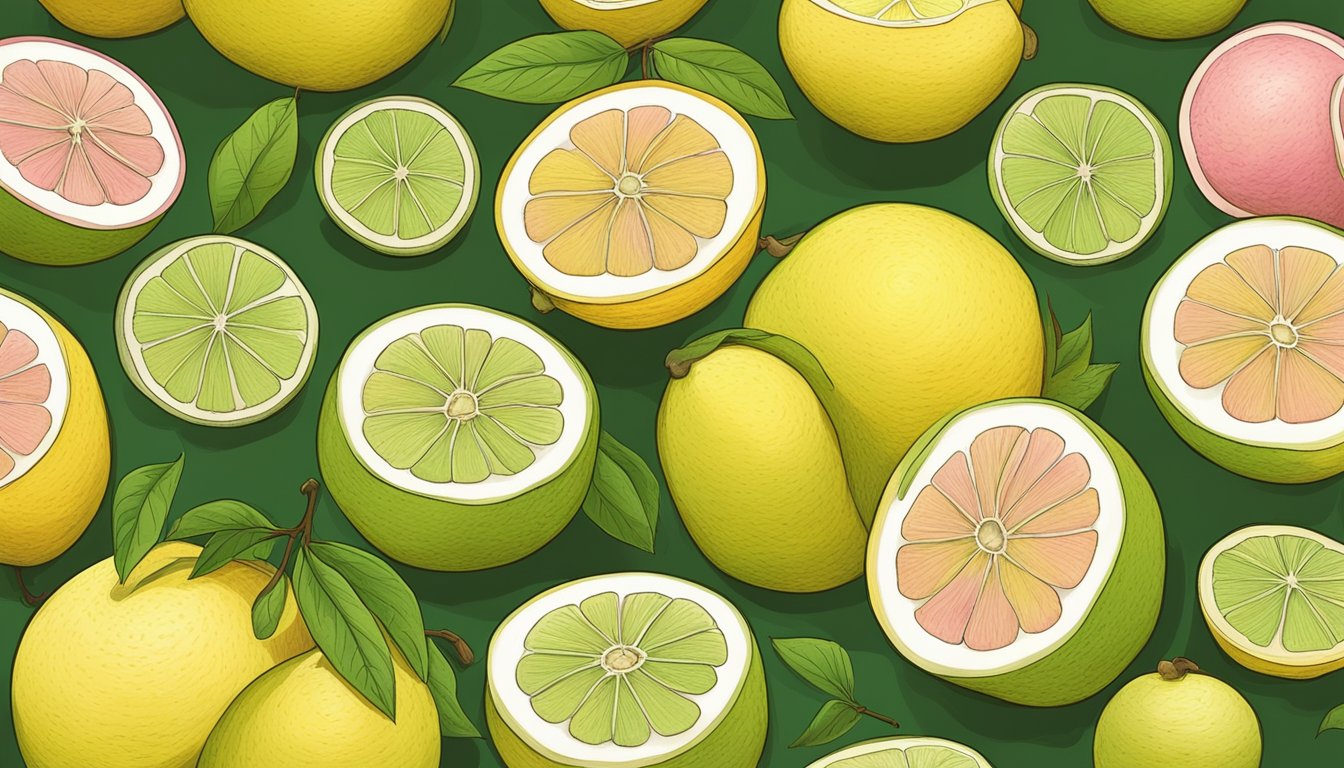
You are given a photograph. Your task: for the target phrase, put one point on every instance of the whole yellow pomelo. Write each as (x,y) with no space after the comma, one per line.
(135,675)
(753,465)
(115,18)
(917,74)
(1165,20)
(914,313)
(317,44)
(302,713)
(627,21)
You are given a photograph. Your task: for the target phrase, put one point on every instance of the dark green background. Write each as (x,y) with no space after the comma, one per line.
(815,169)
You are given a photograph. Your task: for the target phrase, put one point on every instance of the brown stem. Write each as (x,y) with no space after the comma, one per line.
(304,530)
(28,597)
(296,93)
(464,653)
(1177,668)
(779,247)
(644,62)
(1030,42)
(877,716)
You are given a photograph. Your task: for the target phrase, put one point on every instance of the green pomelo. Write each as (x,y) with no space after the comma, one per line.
(28,234)
(904,752)
(1165,20)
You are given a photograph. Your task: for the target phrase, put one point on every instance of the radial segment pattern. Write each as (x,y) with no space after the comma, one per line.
(996,536)
(621,669)
(1282,592)
(25,386)
(928,756)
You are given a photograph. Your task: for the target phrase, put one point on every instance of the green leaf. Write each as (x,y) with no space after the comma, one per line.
(448,22)
(268,608)
(226,546)
(453,722)
(345,631)
(823,664)
(723,71)
(383,591)
(253,163)
(833,720)
(623,497)
(139,508)
(545,69)
(1334,720)
(216,516)
(1070,376)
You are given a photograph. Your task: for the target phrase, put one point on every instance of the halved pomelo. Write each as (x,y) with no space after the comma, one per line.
(626,670)
(216,330)
(1082,173)
(1273,597)
(90,159)
(1243,348)
(399,174)
(1018,552)
(457,438)
(633,206)
(54,454)
(904,752)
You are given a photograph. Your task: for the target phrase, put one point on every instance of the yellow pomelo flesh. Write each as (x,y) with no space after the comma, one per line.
(319,45)
(46,510)
(914,313)
(303,713)
(115,18)
(135,675)
(752,462)
(901,83)
(629,25)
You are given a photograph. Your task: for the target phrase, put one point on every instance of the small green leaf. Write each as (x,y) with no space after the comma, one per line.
(1334,720)
(139,509)
(545,69)
(723,71)
(345,631)
(385,594)
(1070,376)
(823,664)
(453,722)
(216,516)
(226,546)
(253,163)
(623,497)
(448,22)
(833,720)
(268,608)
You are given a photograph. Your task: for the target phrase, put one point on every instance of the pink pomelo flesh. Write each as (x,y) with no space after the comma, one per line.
(24,388)
(1260,123)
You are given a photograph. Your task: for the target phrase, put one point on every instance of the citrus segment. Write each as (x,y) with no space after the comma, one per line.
(904,752)
(34,389)
(903,10)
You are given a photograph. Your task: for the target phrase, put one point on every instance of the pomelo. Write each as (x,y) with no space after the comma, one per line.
(115,18)
(904,752)
(628,22)
(1164,20)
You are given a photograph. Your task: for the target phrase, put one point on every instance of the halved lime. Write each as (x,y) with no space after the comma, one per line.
(216,330)
(1273,596)
(1082,173)
(398,174)
(904,752)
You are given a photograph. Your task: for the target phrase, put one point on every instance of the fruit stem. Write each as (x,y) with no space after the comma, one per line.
(540,301)
(877,716)
(28,597)
(304,530)
(779,247)
(464,653)
(1031,43)
(1177,668)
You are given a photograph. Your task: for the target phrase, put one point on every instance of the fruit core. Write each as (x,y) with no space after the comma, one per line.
(623,658)
(25,386)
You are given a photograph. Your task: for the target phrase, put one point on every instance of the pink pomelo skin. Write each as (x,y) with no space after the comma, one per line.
(1261,123)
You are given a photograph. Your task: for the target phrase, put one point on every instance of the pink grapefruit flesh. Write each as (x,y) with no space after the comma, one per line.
(24,388)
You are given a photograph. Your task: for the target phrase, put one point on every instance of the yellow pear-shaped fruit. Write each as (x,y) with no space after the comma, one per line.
(752,462)
(135,675)
(302,713)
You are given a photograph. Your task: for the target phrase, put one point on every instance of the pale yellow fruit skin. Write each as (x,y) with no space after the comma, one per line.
(46,510)
(302,713)
(135,675)
(914,313)
(115,18)
(901,84)
(752,462)
(1165,20)
(1195,722)
(319,45)
(627,26)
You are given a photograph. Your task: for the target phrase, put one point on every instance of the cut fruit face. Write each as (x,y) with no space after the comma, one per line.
(399,174)
(34,388)
(83,139)
(217,330)
(461,403)
(905,752)
(629,191)
(901,13)
(1276,594)
(1082,173)
(1001,542)
(620,670)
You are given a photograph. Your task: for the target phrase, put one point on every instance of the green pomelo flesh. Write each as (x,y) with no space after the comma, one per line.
(914,757)
(30,235)
(1287,589)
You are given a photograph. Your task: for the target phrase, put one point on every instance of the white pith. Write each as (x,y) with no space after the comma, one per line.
(1160,163)
(164,185)
(1162,353)
(553,741)
(358,365)
(737,142)
(18,316)
(932,21)
(898,745)
(895,612)
(460,138)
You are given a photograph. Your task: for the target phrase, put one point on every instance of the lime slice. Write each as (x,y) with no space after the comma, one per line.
(398,174)
(904,752)
(216,331)
(1273,596)
(1082,173)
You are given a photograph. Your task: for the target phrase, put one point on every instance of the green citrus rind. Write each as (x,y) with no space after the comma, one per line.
(850,756)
